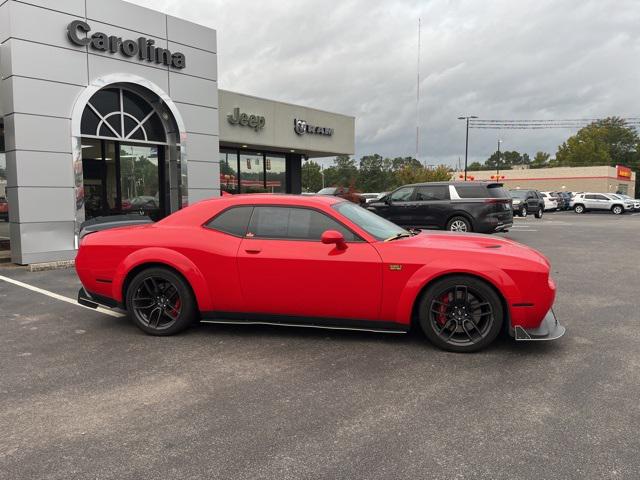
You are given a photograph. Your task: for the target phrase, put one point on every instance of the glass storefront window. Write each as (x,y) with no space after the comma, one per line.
(140,180)
(252,173)
(229,171)
(4,200)
(276,167)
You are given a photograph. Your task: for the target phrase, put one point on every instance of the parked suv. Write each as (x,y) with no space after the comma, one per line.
(550,202)
(526,202)
(584,202)
(459,206)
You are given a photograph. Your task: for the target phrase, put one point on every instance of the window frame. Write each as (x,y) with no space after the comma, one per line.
(358,237)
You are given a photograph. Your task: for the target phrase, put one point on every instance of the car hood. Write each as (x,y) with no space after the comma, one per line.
(470,243)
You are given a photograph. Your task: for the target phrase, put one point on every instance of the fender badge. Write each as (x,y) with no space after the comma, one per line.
(395,267)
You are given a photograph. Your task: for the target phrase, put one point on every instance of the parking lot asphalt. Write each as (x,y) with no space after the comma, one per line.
(86,395)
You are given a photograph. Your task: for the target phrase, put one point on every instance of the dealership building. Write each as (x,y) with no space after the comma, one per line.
(111,108)
(601,179)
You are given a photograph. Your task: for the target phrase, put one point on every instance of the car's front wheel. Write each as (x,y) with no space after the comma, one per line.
(459,224)
(523,212)
(539,213)
(160,302)
(460,314)
(617,210)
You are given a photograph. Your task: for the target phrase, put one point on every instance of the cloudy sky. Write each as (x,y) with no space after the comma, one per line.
(498,59)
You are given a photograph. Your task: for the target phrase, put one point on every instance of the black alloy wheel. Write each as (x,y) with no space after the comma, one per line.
(160,302)
(461,314)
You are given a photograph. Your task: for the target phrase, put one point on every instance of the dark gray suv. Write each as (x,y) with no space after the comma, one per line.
(457,206)
(526,202)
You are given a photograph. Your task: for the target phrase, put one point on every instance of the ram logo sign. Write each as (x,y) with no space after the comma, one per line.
(301,127)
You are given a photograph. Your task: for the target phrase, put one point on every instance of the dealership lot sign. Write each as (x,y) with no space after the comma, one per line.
(301,127)
(257,122)
(142,48)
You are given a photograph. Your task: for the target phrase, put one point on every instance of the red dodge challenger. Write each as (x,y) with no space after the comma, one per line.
(317,261)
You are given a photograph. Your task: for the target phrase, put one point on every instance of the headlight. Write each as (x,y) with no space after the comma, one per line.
(516,202)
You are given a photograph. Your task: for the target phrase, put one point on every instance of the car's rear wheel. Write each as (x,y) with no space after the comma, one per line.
(160,302)
(539,213)
(617,210)
(461,314)
(578,209)
(459,224)
(523,212)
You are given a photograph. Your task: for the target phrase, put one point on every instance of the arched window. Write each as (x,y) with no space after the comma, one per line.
(121,114)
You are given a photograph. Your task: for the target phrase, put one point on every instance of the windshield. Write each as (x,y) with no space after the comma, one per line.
(518,193)
(327,191)
(371,223)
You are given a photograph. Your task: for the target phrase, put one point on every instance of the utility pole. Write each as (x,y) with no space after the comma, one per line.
(418,95)
(498,162)
(466,147)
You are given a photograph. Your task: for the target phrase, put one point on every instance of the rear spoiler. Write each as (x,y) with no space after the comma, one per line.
(115,221)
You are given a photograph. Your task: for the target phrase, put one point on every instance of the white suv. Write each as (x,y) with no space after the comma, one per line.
(583,202)
(550,202)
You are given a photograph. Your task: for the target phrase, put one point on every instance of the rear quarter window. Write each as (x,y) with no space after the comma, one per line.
(482,191)
(233,221)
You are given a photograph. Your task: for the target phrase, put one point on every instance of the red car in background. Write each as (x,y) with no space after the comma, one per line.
(317,261)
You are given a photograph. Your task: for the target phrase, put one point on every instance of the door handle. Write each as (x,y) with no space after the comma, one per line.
(253,250)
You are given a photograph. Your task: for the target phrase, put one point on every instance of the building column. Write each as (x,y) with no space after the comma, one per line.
(294,173)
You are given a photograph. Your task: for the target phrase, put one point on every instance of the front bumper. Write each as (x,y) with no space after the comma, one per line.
(549,329)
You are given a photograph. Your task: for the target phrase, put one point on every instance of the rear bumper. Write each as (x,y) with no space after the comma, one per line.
(93,300)
(549,329)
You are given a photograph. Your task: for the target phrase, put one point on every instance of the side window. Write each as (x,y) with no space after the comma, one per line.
(233,221)
(294,224)
(435,192)
(601,197)
(590,197)
(402,194)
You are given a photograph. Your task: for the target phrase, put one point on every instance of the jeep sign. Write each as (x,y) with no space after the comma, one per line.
(257,122)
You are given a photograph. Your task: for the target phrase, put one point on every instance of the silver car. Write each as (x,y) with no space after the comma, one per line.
(584,202)
(636,202)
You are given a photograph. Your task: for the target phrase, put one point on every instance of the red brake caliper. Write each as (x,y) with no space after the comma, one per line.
(442,309)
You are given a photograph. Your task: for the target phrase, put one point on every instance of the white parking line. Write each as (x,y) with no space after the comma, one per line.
(62,298)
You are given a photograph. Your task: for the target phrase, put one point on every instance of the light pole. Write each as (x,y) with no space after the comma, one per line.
(498,161)
(466,148)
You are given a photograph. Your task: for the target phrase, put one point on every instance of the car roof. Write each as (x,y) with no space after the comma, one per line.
(454,183)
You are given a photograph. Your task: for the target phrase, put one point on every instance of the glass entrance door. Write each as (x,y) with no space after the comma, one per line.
(123,178)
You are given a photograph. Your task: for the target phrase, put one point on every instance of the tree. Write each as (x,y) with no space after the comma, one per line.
(605,142)
(374,174)
(311,176)
(398,163)
(540,160)
(475,166)
(343,173)
(419,174)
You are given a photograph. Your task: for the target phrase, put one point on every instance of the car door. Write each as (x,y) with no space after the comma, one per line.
(532,202)
(603,203)
(285,269)
(432,206)
(401,207)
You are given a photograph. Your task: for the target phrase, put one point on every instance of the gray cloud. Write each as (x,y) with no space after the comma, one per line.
(501,59)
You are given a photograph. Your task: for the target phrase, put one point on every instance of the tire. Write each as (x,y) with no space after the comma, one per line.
(523,212)
(539,213)
(445,319)
(617,210)
(459,224)
(578,208)
(155,311)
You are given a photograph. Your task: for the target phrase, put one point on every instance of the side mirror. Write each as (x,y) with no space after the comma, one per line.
(333,237)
